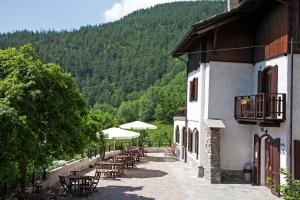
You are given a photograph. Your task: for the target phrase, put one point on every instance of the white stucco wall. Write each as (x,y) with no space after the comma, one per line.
(296,99)
(194,125)
(281,132)
(194,107)
(180,122)
(227,80)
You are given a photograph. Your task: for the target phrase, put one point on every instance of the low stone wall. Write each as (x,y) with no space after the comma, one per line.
(82,164)
(78,165)
(232,176)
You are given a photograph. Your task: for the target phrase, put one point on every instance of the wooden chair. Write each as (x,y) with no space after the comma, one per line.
(170,151)
(66,188)
(74,173)
(36,186)
(95,182)
(85,187)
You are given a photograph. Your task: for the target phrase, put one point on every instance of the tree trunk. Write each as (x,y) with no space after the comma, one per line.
(23,175)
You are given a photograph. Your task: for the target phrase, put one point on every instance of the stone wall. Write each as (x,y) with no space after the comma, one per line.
(82,164)
(232,176)
(212,164)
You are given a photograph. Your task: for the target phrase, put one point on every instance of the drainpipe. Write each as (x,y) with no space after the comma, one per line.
(186,102)
(291,107)
(292,91)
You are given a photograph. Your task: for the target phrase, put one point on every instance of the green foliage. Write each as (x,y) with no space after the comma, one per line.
(113,62)
(99,118)
(128,111)
(290,190)
(40,111)
(163,135)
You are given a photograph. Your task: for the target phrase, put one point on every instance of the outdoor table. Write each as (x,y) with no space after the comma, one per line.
(112,168)
(80,185)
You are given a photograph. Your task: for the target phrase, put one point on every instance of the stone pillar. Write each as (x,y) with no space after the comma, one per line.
(212,164)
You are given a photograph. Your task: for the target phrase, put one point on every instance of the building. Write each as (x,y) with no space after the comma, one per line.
(243,92)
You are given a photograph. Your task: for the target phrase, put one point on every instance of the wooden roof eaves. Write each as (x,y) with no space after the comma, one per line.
(216,21)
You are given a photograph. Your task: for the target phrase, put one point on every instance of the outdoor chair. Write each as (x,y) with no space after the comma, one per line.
(170,151)
(85,187)
(74,173)
(95,182)
(36,185)
(66,188)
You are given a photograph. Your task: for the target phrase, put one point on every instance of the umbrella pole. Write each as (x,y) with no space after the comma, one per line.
(137,141)
(114,148)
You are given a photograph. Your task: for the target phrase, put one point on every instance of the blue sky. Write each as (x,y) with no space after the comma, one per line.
(51,14)
(65,14)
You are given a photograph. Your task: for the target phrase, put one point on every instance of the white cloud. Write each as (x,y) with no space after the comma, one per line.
(119,10)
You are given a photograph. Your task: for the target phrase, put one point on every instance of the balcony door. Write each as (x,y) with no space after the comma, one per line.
(268,84)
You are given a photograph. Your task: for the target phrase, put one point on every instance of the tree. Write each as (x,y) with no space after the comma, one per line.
(96,120)
(128,111)
(41,112)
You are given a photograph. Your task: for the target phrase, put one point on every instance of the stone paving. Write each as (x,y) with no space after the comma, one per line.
(163,178)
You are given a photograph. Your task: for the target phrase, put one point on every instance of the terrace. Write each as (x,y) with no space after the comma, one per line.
(160,177)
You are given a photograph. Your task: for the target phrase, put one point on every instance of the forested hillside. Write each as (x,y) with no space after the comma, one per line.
(118,61)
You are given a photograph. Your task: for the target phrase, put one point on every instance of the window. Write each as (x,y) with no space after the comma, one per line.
(183,142)
(177,133)
(196,136)
(190,140)
(194,89)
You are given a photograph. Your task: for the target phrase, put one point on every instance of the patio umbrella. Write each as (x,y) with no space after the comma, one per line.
(137,125)
(119,134)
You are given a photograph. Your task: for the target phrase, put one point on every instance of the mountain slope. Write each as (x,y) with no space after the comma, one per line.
(111,61)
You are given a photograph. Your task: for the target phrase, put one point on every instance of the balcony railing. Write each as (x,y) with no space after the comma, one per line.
(263,107)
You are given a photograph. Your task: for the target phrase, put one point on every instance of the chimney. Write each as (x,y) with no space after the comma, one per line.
(231,4)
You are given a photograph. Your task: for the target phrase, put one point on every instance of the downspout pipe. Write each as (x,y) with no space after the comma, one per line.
(186,101)
(292,90)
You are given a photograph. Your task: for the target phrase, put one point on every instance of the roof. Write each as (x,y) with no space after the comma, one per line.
(214,123)
(201,28)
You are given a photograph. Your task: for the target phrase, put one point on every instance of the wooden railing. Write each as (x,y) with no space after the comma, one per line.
(260,107)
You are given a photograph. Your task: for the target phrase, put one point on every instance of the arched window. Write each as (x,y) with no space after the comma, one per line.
(177,134)
(190,140)
(196,137)
(183,141)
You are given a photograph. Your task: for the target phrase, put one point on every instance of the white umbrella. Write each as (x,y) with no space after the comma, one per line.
(137,125)
(119,134)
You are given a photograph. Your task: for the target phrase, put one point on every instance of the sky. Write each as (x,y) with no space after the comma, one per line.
(65,14)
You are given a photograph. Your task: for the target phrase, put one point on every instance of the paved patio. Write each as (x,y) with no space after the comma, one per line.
(158,177)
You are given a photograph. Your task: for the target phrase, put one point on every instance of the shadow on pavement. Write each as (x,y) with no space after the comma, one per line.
(144,173)
(119,192)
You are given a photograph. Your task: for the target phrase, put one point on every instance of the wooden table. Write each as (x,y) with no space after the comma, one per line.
(81,185)
(111,168)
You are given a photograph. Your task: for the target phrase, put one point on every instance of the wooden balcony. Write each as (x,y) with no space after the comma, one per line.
(263,109)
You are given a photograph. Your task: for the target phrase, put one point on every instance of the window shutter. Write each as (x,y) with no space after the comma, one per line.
(260,82)
(197,144)
(196,90)
(191,90)
(190,141)
(274,79)
(297,159)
